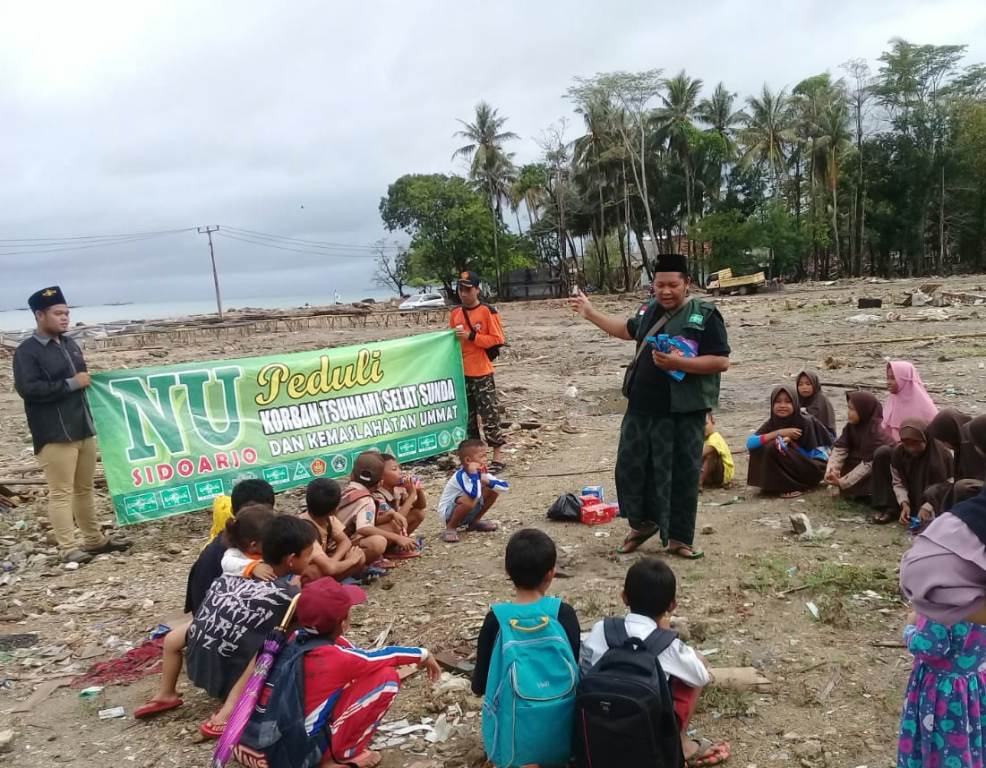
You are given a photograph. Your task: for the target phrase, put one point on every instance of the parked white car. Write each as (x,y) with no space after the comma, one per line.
(424,301)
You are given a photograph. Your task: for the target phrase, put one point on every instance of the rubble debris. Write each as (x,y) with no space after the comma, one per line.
(867,303)
(802,525)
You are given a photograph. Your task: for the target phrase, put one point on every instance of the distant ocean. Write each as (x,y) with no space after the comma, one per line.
(21,319)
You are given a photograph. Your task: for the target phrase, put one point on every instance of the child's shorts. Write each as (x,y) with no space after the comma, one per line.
(447,510)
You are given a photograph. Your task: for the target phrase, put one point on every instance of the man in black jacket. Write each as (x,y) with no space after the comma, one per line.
(50,375)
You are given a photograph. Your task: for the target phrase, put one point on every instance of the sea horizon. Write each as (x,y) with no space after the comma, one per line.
(21,319)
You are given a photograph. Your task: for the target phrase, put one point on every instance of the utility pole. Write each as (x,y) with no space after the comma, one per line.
(215,275)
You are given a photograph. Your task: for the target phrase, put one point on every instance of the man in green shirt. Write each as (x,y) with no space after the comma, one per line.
(660,453)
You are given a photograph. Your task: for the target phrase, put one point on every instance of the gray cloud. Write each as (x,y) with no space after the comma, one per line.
(123,117)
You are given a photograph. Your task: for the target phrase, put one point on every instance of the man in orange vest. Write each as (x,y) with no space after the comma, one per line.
(480,335)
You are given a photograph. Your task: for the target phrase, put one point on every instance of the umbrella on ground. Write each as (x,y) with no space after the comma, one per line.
(251,691)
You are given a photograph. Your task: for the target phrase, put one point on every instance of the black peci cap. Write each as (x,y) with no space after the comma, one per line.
(46,297)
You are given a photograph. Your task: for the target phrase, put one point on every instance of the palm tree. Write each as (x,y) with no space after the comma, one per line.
(674,122)
(832,144)
(717,112)
(768,132)
(489,164)
(591,158)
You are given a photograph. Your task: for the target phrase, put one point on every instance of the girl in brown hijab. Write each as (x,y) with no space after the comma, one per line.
(850,467)
(815,401)
(967,439)
(917,464)
(953,428)
(789,450)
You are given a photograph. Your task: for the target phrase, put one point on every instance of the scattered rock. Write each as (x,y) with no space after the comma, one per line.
(173,549)
(6,740)
(864,319)
(808,749)
(708,530)
(70,566)
(802,525)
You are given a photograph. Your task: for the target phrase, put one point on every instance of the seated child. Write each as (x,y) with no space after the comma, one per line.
(403,494)
(789,451)
(649,591)
(346,687)
(469,493)
(243,558)
(917,464)
(335,554)
(717,460)
(850,467)
(358,511)
(231,624)
(208,566)
(530,563)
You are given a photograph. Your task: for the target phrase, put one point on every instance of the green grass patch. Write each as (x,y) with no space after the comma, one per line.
(725,702)
(774,574)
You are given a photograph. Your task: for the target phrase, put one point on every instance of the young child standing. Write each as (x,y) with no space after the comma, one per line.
(941,723)
(470,493)
(539,734)
(650,591)
(335,555)
(402,494)
(717,459)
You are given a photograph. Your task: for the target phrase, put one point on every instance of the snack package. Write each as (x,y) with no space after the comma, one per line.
(668,344)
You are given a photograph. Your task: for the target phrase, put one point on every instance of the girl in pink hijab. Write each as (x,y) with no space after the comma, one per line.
(908,398)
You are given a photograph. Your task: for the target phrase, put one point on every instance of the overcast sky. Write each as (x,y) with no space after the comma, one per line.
(119,117)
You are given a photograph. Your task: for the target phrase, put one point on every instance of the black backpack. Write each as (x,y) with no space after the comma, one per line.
(624,711)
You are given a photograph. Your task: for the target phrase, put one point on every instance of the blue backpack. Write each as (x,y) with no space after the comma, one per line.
(530,691)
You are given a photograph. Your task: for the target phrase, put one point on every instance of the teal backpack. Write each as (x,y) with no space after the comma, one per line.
(529,707)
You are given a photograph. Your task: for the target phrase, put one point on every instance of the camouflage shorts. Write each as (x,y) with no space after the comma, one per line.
(481,396)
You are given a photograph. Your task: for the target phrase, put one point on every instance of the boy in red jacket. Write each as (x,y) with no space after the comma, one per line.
(348,686)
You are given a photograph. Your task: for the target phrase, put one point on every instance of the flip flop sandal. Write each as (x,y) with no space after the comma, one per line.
(211,730)
(365,759)
(484,526)
(385,563)
(155,707)
(709,754)
(496,467)
(792,495)
(403,555)
(679,551)
(449,536)
(883,518)
(636,538)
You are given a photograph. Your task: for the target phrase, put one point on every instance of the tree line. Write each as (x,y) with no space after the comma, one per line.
(878,172)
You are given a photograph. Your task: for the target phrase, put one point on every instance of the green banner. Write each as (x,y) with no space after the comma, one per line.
(173,438)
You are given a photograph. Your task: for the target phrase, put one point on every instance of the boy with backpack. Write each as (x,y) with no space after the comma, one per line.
(640,661)
(527,662)
(325,697)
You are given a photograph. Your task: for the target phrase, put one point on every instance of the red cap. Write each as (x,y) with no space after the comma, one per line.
(325,603)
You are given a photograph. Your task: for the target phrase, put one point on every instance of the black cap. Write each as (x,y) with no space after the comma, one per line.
(46,297)
(671,262)
(469,278)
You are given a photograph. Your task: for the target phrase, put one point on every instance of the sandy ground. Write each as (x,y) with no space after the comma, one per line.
(837,681)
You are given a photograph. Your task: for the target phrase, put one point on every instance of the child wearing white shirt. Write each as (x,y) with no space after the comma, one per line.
(649,591)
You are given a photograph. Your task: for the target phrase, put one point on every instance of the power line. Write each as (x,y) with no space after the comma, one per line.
(24,241)
(81,247)
(287,247)
(326,244)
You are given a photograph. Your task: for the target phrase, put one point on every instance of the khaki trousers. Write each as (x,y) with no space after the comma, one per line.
(69,470)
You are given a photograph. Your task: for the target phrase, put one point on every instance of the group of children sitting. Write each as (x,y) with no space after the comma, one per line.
(325,697)
(906,459)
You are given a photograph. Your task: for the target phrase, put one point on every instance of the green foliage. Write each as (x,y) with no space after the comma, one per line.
(878,172)
(449,223)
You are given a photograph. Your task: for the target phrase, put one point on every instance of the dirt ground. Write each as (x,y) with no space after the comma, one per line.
(836,680)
